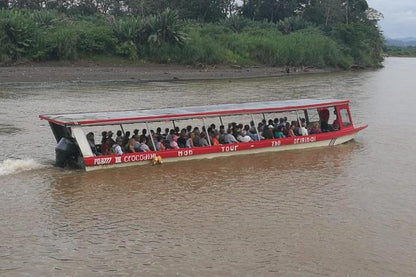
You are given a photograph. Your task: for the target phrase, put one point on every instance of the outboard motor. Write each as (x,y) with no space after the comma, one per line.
(67,152)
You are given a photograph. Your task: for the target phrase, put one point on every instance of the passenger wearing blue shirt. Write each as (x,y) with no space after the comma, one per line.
(278,133)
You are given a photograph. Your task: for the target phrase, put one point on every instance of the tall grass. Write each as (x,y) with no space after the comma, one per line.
(49,35)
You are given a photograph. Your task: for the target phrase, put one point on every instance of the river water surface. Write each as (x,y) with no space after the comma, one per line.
(339,211)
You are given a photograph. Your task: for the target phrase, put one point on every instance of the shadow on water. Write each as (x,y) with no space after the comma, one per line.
(279,168)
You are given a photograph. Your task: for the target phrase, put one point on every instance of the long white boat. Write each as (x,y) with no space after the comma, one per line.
(73,147)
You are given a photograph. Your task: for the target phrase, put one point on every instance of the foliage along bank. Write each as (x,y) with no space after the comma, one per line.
(42,35)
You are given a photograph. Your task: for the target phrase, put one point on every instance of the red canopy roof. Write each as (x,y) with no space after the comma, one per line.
(123,117)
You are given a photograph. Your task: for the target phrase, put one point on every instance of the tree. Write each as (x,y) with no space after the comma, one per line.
(271,10)
(202,10)
(355,11)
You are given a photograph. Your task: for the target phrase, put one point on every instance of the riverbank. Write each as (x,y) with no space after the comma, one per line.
(89,71)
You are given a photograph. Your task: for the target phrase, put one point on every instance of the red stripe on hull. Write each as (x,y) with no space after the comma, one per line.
(186,152)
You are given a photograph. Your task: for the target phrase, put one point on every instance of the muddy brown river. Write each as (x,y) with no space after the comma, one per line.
(348,210)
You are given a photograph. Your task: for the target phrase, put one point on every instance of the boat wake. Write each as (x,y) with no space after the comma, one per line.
(11,166)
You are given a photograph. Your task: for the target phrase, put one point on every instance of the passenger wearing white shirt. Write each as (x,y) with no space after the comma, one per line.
(243,137)
(302,130)
(117,146)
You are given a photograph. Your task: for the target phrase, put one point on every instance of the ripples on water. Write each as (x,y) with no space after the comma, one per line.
(345,210)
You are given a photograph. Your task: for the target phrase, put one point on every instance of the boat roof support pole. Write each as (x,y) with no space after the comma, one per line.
(297,115)
(122,129)
(151,137)
(206,132)
(257,131)
(173,122)
(221,121)
(306,116)
(264,117)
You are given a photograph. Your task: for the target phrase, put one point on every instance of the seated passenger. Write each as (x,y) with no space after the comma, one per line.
(169,137)
(143,146)
(296,128)
(190,140)
(119,134)
(323,119)
(243,137)
(105,143)
(165,135)
(129,147)
(91,142)
(291,132)
(215,141)
(126,139)
(174,143)
(315,128)
(282,122)
(260,127)
(278,133)
(188,131)
(302,130)
(136,144)
(221,135)
(159,132)
(229,138)
(196,138)
(159,144)
(182,139)
(144,134)
(285,129)
(268,132)
(252,127)
(111,141)
(214,129)
(116,148)
(249,131)
(203,140)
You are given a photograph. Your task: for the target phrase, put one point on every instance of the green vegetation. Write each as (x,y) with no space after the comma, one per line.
(298,33)
(396,51)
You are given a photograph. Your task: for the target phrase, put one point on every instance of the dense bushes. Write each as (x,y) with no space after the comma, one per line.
(164,38)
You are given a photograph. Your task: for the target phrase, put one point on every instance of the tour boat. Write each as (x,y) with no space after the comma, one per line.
(73,147)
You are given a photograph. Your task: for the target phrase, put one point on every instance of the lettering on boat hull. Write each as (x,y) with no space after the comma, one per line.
(229,148)
(138,158)
(102,161)
(182,153)
(276,143)
(304,140)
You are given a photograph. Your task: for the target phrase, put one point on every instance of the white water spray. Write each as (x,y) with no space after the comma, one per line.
(11,166)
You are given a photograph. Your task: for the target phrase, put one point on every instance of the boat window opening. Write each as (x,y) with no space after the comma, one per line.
(249,123)
(345,118)
(312,117)
(252,125)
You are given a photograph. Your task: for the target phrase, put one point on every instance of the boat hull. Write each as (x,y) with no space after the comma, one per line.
(209,152)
